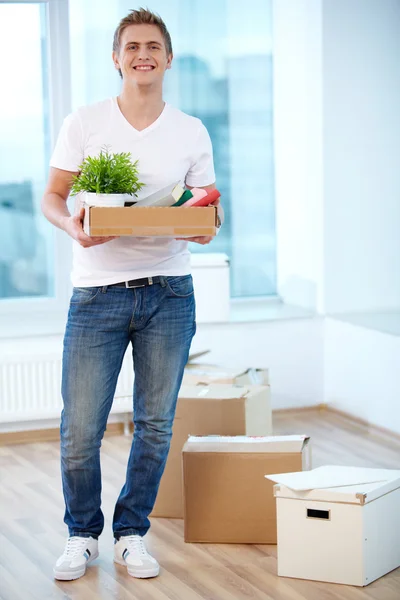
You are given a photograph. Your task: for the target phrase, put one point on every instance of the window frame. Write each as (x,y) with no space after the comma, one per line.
(27,315)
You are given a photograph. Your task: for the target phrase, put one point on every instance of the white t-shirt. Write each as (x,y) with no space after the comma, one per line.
(176,147)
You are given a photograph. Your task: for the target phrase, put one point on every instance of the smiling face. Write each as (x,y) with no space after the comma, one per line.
(142,56)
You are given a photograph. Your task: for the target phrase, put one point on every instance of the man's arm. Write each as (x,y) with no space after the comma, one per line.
(208,188)
(55,209)
(203,239)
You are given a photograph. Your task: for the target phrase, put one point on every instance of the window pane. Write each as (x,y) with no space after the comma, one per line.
(26,239)
(221,73)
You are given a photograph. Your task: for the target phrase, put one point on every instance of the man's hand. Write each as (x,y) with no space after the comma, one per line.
(202,239)
(54,207)
(73,225)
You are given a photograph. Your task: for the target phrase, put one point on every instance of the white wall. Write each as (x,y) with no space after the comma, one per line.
(292,350)
(361,111)
(337,153)
(362,373)
(337,131)
(361,95)
(297,40)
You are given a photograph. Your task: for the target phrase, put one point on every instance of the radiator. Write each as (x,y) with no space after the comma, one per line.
(30,384)
(30,388)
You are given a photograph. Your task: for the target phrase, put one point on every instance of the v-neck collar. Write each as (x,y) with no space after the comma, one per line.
(148,129)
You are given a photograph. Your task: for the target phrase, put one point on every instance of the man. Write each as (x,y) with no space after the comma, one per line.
(126,290)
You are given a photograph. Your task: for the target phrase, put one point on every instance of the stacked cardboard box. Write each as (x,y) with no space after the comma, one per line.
(226,499)
(203,373)
(221,409)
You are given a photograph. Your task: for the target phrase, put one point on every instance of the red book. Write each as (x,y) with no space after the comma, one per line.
(209,199)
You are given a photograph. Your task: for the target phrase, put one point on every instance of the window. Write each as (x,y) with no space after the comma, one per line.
(35,257)
(222,73)
(26,239)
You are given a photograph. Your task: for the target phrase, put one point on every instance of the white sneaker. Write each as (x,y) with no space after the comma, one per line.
(79,551)
(131,552)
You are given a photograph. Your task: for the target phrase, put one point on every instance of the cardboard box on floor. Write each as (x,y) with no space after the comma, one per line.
(202,410)
(204,373)
(151,221)
(349,517)
(225,496)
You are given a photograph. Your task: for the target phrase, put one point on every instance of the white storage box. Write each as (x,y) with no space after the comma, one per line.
(338,524)
(211,286)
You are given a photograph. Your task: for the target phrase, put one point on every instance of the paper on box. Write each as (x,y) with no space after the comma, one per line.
(330,476)
(336,483)
(247,443)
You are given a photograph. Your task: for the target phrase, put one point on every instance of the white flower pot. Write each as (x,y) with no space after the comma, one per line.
(93,199)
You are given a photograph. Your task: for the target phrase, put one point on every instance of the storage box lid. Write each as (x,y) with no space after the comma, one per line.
(246,444)
(355,485)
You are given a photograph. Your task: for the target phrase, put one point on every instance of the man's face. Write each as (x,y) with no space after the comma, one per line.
(142,56)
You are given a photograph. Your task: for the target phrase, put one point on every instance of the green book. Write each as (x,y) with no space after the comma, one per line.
(187,194)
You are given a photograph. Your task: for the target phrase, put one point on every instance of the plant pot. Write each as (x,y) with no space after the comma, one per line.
(93,199)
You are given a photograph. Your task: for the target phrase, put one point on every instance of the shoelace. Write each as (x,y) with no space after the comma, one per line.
(74,546)
(135,543)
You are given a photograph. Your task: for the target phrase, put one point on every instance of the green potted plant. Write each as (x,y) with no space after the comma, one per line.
(107,179)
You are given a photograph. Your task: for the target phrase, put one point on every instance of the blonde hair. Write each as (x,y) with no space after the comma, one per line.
(142,16)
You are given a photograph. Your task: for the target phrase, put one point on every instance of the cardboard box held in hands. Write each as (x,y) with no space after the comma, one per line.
(149,221)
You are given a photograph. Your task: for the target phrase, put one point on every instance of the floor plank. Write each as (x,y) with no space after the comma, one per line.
(33,533)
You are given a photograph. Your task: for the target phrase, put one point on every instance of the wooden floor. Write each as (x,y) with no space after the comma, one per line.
(32,533)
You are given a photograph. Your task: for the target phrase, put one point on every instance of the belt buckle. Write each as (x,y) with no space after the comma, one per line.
(132,287)
(150,282)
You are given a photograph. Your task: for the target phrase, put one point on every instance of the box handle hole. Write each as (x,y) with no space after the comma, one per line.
(318,514)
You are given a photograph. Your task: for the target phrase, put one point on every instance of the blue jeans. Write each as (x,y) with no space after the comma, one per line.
(159,321)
